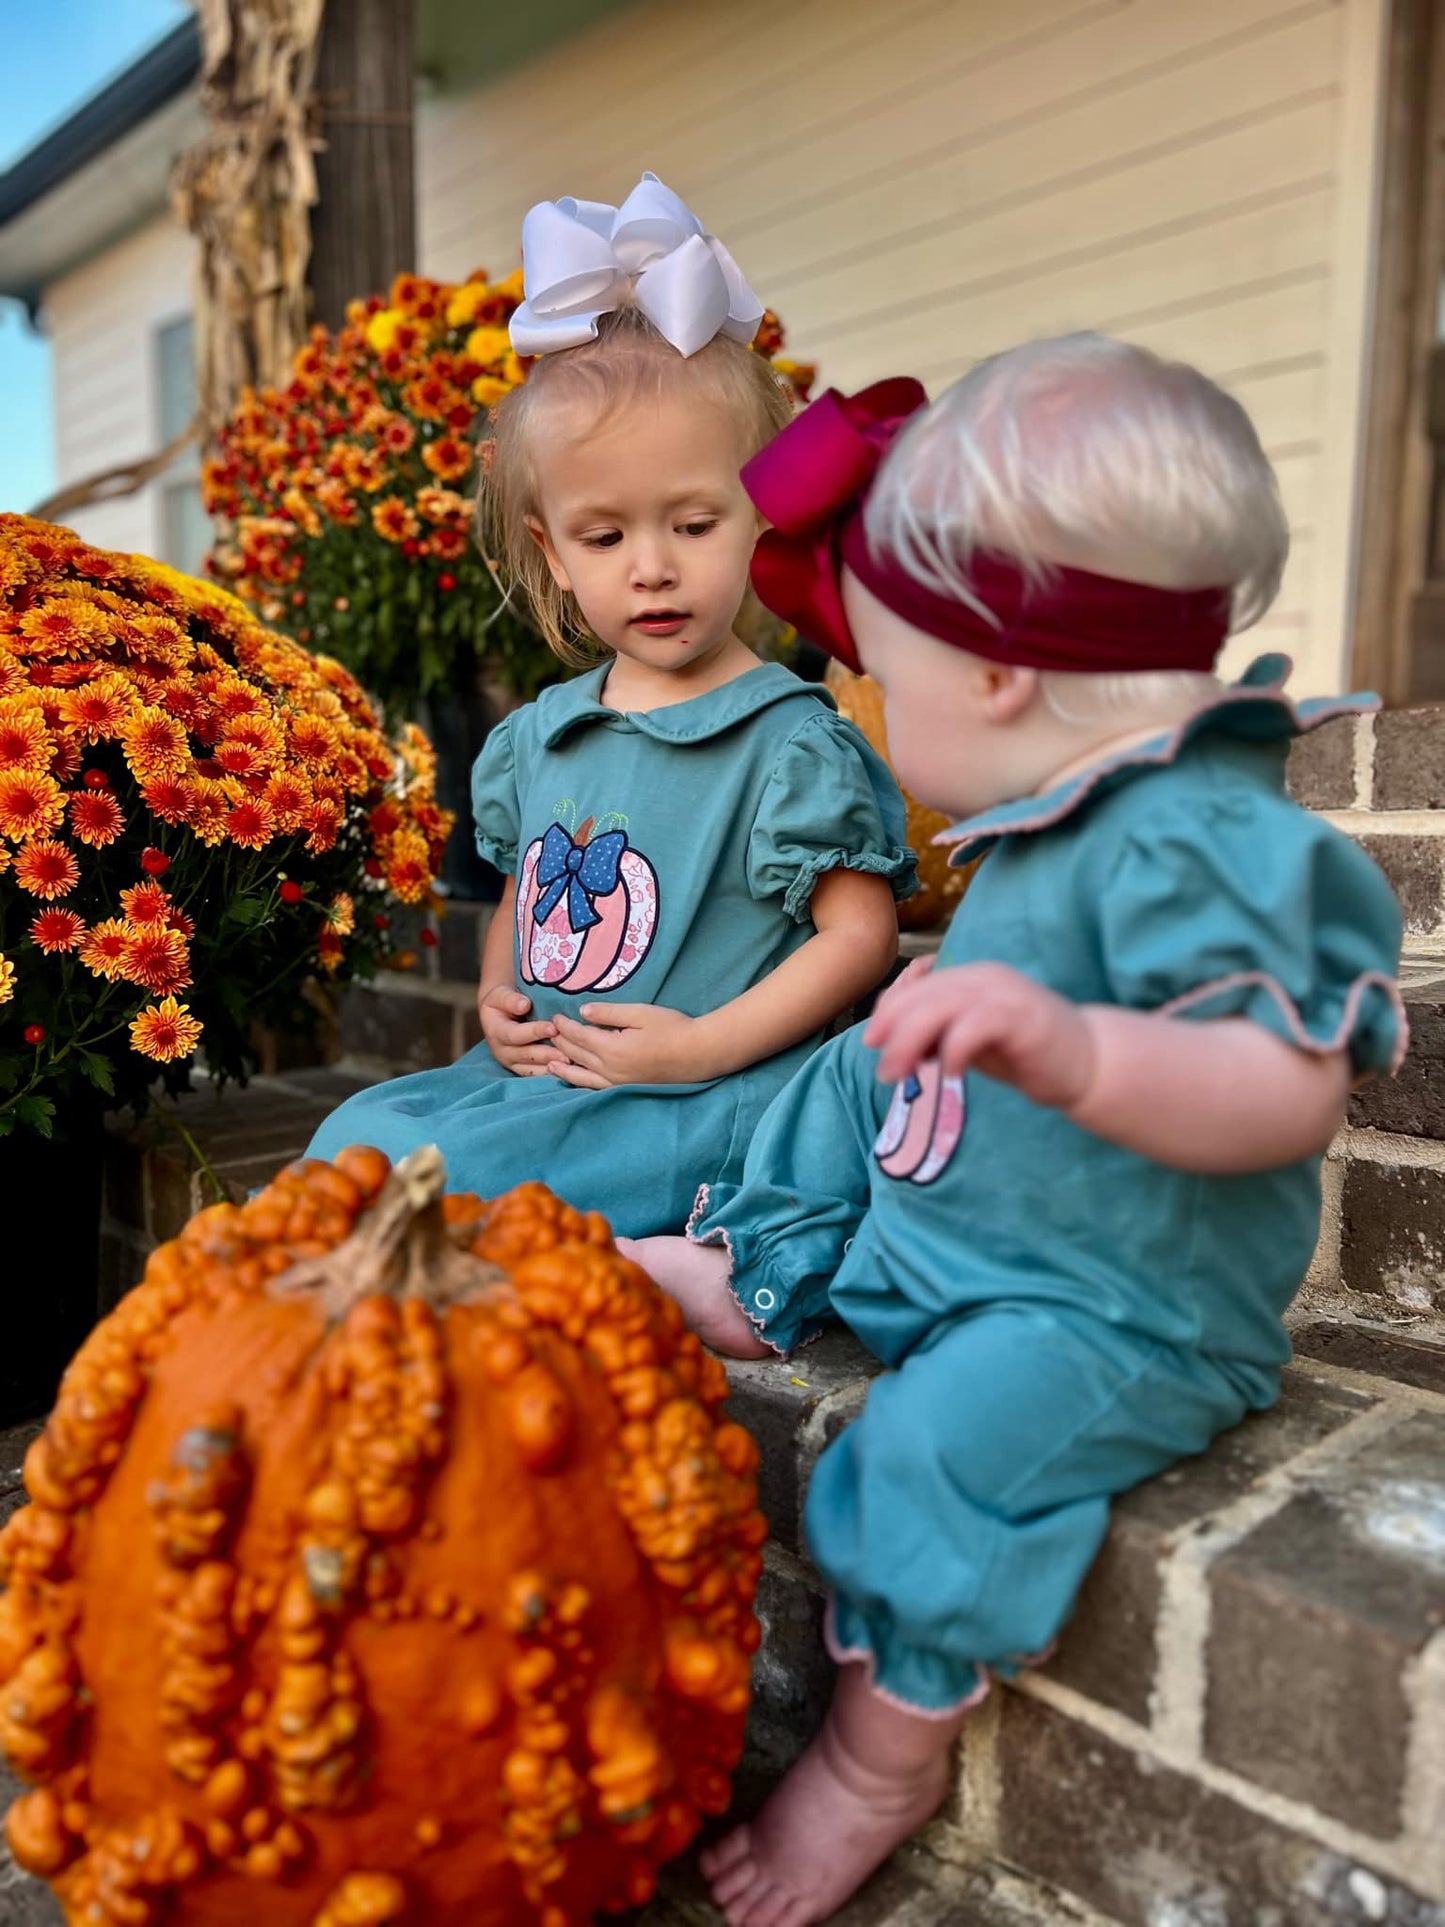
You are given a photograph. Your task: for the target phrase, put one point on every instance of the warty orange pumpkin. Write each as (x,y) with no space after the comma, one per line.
(389,1560)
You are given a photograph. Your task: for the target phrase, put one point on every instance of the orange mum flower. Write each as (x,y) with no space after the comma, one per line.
(407,867)
(324,823)
(95,817)
(64,626)
(393,520)
(165,1031)
(448,457)
(341,914)
(7,980)
(146,903)
(47,869)
(329,948)
(97,708)
(157,958)
(251,823)
(171,798)
(30,803)
(289,797)
(24,739)
(102,949)
(56,930)
(448,545)
(313,740)
(154,744)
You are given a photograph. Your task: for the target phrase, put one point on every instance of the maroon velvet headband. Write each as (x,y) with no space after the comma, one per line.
(811,484)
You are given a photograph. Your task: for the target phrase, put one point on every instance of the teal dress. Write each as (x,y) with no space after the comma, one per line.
(661,858)
(1063,1316)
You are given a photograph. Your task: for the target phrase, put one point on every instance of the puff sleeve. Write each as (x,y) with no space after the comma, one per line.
(831,803)
(1254,908)
(496,809)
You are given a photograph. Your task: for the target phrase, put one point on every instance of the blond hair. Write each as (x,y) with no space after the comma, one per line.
(629,361)
(1092,450)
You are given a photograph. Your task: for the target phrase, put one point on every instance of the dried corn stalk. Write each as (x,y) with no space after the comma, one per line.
(246,193)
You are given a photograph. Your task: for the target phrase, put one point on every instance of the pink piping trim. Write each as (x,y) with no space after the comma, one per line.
(842,1655)
(1165,754)
(1323,1047)
(721,1237)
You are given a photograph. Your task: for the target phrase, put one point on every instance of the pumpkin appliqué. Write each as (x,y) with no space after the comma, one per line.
(587,906)
(389,1560)
(923,1127)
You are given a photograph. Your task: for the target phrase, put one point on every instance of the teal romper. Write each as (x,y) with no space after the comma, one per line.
(661,858)
(1063,1317)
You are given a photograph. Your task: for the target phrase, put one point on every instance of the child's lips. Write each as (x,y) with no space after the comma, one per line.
(661,623)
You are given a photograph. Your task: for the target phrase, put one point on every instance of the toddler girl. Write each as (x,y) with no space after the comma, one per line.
(701,855)
(1074,1222)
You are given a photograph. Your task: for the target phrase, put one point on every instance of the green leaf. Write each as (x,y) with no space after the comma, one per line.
(246,911)
(98,1070)
(37,1112)
(7,1123)
(10,1071)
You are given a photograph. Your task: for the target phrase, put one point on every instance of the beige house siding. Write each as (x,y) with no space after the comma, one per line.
(913,187)
(103,321)
(916,186)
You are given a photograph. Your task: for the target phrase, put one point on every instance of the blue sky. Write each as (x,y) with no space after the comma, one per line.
(55,56)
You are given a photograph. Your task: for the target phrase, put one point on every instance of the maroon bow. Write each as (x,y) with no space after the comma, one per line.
(811,483)
(808,482)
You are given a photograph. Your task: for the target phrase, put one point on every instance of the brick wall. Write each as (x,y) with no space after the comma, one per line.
(1382,1244)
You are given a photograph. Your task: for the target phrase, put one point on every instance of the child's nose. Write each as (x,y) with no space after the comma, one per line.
(653,565)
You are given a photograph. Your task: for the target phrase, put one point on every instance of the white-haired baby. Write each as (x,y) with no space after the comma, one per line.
(1065,1184)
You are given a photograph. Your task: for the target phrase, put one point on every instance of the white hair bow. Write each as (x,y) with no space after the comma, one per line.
(580,258)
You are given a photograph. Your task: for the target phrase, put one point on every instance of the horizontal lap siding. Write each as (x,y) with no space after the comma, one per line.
(917,186)
(102,320)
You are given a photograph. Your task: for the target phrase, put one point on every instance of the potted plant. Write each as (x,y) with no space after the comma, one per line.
(197,817)
(346,506)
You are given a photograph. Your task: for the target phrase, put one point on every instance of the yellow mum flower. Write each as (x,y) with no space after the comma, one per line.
(487,390)
(381,330)
(7,980)
(466,303)
(341,914)
(487,345)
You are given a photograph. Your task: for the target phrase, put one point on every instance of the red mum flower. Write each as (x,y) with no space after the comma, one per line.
(47,869)
(56,930)
(146,903)
(157,959)
(95,817)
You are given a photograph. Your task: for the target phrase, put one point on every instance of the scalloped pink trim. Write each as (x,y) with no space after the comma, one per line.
(721,1237)
(842,1655)
(1160,757)
(1321,1047)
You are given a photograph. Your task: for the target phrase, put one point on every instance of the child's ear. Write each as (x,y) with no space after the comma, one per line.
(537,529)
(1008,691)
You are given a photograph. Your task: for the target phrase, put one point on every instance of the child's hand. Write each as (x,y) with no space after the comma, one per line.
(989,1018)
(628,1044)
(527,1050)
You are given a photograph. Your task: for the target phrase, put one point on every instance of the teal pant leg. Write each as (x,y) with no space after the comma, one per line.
(957,1517)
(803,1195)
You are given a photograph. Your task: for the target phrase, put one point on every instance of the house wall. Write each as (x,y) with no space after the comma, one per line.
(103,320)
(914,188)
(1197,175)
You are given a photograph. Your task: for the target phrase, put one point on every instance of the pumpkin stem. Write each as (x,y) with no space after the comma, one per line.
(400,1248)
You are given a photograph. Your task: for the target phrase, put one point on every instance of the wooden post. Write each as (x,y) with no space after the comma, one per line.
(363,228)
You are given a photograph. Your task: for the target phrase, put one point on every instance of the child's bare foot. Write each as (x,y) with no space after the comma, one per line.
(696,1276)
(871,1778)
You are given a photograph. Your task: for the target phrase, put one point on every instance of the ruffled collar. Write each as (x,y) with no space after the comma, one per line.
(571,705)
(1254,709)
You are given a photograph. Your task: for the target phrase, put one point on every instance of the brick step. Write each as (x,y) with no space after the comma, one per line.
(1245,1720)
(1381,1254)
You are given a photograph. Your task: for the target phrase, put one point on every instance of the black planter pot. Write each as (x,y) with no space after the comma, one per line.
(50,1200)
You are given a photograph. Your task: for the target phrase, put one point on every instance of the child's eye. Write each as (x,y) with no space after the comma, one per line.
(698,528)
(608,540)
